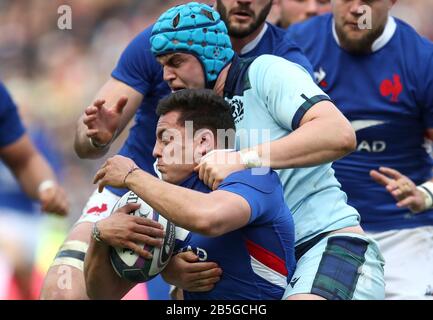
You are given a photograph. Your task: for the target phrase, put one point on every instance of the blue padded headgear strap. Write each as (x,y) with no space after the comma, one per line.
(197,29)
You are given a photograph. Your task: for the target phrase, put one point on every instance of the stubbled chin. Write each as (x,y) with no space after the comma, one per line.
(352,34)
(239,25)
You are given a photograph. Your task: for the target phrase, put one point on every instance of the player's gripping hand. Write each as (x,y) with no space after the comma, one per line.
(217,165)
(102,121)
(114,172)
(54,200)
(186,272)
(123,230)
(401,188)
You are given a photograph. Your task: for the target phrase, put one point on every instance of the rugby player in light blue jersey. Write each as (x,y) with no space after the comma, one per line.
(382,80)
(294,125)
(244,225)
(138,78)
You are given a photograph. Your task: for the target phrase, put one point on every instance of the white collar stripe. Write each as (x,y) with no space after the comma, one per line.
(251,45)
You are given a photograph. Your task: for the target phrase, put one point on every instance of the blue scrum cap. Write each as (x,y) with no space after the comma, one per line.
(197,29)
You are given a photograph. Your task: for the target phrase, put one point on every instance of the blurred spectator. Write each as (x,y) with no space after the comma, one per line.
(417,13)
(287,12)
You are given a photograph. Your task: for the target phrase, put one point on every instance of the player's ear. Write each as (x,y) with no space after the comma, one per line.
(203,143)
(206,140)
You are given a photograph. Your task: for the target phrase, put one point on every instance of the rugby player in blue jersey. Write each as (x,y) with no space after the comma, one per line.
(244,225)
(37,180)
(323,220)
(32,171)
(134,88)
(288,12)
(283,121)
(382,80)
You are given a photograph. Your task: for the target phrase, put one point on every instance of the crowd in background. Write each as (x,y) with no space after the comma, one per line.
(53,74)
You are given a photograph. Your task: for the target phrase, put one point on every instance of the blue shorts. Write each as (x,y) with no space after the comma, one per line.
(342,266)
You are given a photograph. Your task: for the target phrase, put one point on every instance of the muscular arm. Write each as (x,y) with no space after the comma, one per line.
(324,135)
(102,282)
(111,92)
(27,164)
(317,131)
(210,214)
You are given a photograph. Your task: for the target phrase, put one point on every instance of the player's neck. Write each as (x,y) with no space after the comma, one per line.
(221,81)
(239,44)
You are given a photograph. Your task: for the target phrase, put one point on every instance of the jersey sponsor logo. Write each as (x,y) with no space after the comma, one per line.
(366,146)
(374,146)
(98,210)
(293,282)
(320,78)
(364,124)
(199,252)
(237,106)
(391,87)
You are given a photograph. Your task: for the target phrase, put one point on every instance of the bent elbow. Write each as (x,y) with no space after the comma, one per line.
(80,154)
(84,153)
(207,223)
(206,228)
(348,141)
(79,151)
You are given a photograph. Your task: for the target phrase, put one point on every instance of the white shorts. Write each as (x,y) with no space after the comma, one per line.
(99,206)
(409,262)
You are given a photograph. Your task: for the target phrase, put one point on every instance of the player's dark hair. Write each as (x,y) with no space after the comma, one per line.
(201,106)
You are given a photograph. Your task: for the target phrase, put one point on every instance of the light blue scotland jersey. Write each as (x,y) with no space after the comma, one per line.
(269,96)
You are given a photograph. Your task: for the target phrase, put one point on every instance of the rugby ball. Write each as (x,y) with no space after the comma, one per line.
(130,265)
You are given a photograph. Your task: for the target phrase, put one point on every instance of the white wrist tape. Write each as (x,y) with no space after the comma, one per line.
(44,185)
(251,159)
(427,189)
(214,151)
